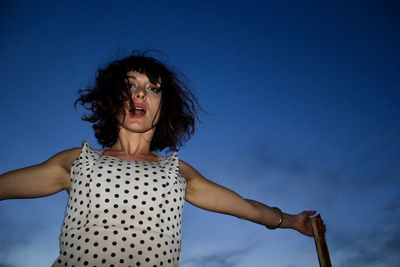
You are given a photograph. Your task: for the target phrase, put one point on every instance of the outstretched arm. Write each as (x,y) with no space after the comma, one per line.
(39,180)
(213,197)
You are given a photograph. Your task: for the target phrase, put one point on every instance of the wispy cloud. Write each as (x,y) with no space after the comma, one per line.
(357,192)
(371,241)
(370,250)
(27,244)
(273,163)
(225,258)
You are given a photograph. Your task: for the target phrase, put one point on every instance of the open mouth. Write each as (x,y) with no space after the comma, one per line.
(136,109)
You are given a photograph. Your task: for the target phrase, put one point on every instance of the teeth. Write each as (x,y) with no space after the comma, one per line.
(137,109)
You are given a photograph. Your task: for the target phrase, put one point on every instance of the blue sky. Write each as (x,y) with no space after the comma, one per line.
(301,105)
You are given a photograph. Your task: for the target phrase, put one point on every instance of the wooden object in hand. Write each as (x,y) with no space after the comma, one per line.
(319,231)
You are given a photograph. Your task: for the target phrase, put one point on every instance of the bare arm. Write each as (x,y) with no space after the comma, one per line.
(213,197)
(39,180)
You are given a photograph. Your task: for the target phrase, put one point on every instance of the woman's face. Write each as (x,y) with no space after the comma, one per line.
(142,109)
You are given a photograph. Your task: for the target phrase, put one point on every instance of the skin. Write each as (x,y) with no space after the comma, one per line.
(136,131)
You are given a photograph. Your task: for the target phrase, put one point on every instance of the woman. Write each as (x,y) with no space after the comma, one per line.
(126,201)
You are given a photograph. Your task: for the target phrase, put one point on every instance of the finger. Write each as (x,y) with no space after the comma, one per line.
(310,213)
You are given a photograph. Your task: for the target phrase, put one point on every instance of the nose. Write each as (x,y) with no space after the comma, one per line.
(139,93)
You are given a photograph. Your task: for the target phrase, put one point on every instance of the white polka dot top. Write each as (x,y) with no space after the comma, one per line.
(122,212)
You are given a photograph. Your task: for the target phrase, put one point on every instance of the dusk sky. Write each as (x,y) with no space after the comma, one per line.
(301,106)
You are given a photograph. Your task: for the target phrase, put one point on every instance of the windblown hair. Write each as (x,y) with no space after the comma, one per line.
(105,101)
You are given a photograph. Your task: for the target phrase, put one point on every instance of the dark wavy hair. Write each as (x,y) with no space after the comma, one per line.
(105,101)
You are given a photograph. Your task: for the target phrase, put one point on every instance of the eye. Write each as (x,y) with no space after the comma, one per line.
(132,86)
(154,89)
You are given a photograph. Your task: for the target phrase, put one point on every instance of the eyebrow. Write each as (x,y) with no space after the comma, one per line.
(158,83)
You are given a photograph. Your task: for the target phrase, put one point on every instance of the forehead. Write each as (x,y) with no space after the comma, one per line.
(142,77)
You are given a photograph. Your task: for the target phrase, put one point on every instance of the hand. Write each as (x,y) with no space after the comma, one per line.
(302,223)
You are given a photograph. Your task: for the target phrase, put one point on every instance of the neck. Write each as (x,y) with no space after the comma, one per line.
(133,144)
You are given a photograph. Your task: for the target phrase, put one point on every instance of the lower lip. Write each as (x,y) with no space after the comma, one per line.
(136,114)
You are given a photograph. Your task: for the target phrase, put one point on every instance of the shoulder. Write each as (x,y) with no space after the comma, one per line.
(68,153)
(65,158)
(188,171)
